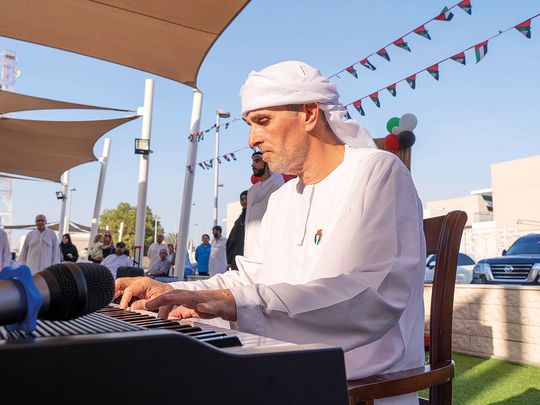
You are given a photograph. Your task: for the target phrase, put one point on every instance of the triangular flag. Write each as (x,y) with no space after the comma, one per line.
(347,115)
(226,125)
(233,157)
(375,98)
(412,81)
(189,168)
(422,32)
(226,157)
(446,15)
(434,71)
(191,137)
(202,166)
(208,165)
(358,105)
(383,54)
(392,89)
(352,71)
(465,5)
(367,63)
(481,50)
(459,57)
(402,44)
(206,131)
(524,28)
(219,160)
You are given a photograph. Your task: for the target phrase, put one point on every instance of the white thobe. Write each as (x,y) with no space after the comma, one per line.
(153,252)
(343,264)
(257,201)
(218,256)
(40,250)
(5,253)
(113,261)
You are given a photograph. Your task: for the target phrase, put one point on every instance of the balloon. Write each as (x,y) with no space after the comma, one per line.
(408,122)
(391,143)
(396,130)
(392,122)
(254,179)
(406,139)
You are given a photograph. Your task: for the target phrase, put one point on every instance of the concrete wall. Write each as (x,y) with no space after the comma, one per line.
(516,191)
(471,204)
(495,321)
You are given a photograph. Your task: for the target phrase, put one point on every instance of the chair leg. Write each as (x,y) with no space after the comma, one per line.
(441,395)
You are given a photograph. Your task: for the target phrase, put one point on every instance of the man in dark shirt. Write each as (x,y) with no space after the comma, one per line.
(235,242)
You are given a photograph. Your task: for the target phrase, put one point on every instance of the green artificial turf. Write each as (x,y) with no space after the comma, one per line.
(481,381)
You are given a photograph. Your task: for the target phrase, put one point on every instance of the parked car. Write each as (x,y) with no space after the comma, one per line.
(520,264)
(464,273)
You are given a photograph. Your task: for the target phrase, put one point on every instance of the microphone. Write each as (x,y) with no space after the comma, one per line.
(68,290)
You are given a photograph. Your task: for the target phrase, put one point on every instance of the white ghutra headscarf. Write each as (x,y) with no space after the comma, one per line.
(294,82)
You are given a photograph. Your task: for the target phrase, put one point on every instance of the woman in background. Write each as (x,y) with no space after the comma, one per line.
(68,249)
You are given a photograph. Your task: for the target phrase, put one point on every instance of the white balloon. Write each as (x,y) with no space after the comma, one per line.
(408,122)
(396,130)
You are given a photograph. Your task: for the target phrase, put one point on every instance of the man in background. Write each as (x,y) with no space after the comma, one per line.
(202,255)
(218,253)
(40,249)
(257,201)
(5,254)
(118,259)
(235,241)
(162,266)
(155,248)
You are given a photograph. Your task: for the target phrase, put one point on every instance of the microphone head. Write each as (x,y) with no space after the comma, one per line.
(77,289)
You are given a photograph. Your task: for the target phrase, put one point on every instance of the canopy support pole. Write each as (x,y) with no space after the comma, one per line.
(65,189)
(104,161)
(140,220)
(188,185)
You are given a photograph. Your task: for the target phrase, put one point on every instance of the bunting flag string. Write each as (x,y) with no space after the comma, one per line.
(444,15)
(480,51)
(199,136)
(209,164)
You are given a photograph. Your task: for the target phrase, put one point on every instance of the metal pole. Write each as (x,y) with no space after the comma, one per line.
(121,232)
(155,227)
(188,186)
(104,160)
(143,171)
(65,189)
(216,171)
(68,220)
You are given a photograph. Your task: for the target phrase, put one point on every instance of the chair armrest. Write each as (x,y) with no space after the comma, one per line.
(401,382)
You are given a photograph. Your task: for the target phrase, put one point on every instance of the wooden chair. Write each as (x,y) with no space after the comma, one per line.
(443,237)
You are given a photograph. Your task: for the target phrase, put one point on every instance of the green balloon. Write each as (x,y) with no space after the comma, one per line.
(392,122)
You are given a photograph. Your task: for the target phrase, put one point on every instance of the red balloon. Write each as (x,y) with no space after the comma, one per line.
(391,142)
(254,179)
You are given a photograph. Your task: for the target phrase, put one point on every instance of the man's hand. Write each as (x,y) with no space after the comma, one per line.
(204,304)
(143,288)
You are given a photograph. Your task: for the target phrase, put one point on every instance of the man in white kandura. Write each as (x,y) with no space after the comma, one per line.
(41,248)
(5,253)
(155,248)
(218,253)
(257,201)
(344,248)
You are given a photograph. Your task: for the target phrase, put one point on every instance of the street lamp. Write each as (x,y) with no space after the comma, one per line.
(70,198)
(155,227)
(219,114)
(142,146)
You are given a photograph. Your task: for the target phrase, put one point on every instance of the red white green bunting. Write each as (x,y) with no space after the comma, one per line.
(347,115)
(481,50)
(366,63)
(383,54)
(434,71)
(392,89)
(400,43)
(375,98)
(358,105)
(446,15)
(465,5)
(459,57)
(411,80)
(422,32)
(524,28)
(352,71)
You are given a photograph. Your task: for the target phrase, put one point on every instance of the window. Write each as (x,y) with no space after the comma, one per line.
(464,260)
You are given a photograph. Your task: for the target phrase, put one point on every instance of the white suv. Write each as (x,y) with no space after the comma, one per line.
(464,273)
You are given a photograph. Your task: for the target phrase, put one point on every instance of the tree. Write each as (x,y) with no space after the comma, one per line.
(126,213)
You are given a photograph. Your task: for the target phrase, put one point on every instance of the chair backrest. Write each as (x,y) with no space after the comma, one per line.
(125,271)
(443,237)
(403,153)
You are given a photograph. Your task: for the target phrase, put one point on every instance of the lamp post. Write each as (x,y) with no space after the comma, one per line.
(156,217)
(68,221)
(219,114)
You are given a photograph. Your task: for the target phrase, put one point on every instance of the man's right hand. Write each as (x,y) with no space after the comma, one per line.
(141,288)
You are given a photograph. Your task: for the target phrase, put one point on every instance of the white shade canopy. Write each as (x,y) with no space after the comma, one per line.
(169,38)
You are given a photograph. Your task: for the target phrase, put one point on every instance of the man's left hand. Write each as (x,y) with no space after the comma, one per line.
(206,304)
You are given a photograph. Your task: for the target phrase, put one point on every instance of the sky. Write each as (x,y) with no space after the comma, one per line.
(474,116)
